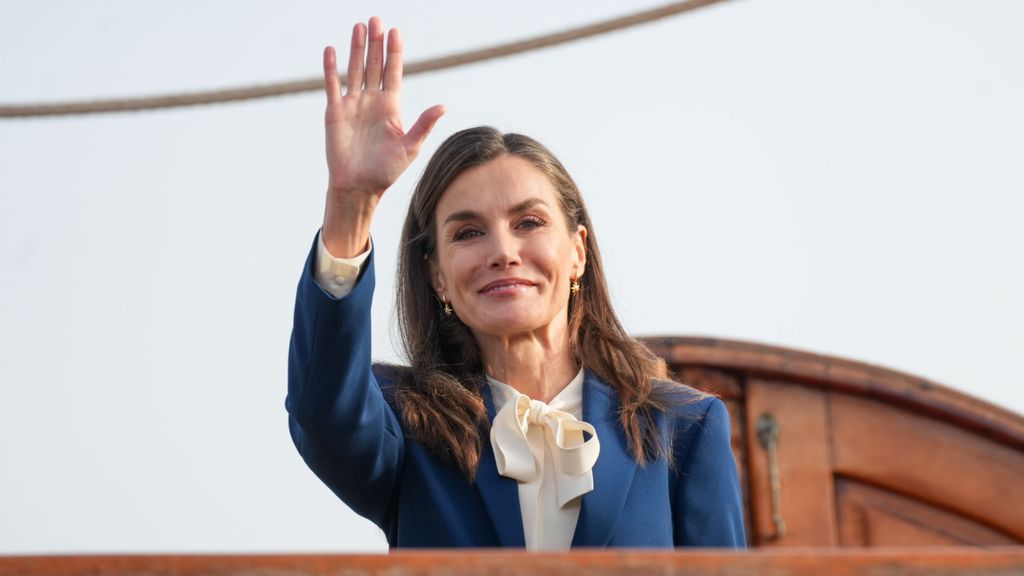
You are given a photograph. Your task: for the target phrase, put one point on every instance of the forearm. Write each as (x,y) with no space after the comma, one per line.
(347,219)
(338,417)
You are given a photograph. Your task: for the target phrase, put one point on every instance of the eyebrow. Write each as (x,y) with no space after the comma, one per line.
(463,215)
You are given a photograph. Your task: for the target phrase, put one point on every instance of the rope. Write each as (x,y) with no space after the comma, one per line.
(315,84)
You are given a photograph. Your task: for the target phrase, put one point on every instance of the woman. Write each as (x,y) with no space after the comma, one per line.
(527,417)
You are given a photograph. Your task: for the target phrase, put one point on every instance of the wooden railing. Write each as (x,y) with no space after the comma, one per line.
(1007,561)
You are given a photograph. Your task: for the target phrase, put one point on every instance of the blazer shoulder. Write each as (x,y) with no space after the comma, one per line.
(707,501)
(685,402)
(389,378)
(697,418)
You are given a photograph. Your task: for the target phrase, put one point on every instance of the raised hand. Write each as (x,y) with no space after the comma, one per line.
(367,149)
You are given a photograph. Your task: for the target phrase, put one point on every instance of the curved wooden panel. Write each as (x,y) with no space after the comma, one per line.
(842,375)
(948,467)
(865,456)
(870,516)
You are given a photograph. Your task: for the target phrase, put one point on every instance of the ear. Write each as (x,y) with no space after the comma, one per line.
(436,277)
(580,245)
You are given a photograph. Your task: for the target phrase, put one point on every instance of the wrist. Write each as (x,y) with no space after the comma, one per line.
(346,226)
(346,242)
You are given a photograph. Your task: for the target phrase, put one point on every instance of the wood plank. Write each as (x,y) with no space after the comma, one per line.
(841,375)
(723,384)
(931,461)
(779,562)
(871,516)
(807,492)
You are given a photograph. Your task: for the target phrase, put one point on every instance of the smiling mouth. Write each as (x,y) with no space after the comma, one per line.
(506,286)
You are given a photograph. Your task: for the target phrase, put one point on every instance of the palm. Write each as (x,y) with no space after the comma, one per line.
(365,141)
(367,149)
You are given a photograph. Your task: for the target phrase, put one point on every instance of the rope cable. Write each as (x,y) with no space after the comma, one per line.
(314,84)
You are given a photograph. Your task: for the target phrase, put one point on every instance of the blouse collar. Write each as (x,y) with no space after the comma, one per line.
(570,399)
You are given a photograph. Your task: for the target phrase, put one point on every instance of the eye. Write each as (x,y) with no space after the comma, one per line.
(465,233)
(531,222)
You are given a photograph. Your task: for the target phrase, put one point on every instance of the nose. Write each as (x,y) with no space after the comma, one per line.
(504,251)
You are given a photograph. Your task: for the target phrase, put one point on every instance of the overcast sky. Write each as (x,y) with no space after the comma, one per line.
(842,177)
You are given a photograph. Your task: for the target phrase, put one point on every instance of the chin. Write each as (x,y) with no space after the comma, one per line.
(504,325)
(502,329)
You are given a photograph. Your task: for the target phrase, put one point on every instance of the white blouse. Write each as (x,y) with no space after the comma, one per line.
(337,275)
(542,446)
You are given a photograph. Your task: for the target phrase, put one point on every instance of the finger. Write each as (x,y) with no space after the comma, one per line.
(375,54)
(354,81)
(393,66)
(332,85)
(421,129)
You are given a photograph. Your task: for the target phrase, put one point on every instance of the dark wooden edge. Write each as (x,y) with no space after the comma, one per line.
(1002,561)
(848,376)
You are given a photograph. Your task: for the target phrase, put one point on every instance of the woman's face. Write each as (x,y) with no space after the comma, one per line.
(505,258)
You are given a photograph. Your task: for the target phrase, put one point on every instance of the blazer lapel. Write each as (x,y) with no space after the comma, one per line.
(500,494)
(613,472)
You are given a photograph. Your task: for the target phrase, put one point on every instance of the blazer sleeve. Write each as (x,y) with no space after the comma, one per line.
(708,508)
(338,417)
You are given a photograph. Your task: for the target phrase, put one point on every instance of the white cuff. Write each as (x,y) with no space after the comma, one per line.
(337,275)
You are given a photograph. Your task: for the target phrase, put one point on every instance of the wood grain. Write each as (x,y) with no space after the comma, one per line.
(789,562)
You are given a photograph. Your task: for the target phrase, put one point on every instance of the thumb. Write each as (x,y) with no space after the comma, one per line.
(421,129)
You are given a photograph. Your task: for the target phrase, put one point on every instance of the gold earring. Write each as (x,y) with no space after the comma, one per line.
(447,307)
(574,287)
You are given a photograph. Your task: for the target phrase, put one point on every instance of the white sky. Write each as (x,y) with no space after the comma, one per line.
(839,177)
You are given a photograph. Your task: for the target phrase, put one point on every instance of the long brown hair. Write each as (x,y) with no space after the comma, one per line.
(440,395)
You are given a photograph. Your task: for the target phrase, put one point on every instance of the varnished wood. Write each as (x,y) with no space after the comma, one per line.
(790,562)
(725,385)
(931,460)
(868,456)
(870,516)
(804,462)
(842,375)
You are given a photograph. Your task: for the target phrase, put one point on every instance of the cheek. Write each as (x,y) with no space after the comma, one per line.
(458,269)
(558,259)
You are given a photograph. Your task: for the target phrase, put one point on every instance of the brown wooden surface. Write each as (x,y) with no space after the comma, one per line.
(807,493)
(867,456)
(890,386)
(789,562)
(870,516)
(930,461)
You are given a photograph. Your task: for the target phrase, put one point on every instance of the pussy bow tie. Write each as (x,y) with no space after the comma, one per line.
(573,456)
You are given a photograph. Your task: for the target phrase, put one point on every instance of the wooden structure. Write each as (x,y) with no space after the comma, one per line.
(846,469)
(785,562)
(839,453)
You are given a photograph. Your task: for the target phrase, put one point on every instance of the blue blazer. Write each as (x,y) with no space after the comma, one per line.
(346,428)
